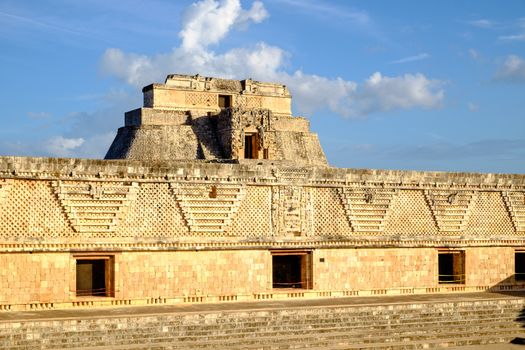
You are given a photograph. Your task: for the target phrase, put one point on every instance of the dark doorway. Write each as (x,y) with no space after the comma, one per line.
(93,277)
(292,270)
(251,146)
(519,266)
(225,101)
(451,267)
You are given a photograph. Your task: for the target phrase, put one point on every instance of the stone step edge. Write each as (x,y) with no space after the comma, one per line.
(341,314)
(512,301)
(337,332)
(329,327)
(332,339)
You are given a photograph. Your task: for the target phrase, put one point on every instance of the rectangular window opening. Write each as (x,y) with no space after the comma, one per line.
(251,146)
(225,101)
(292,270)
(94,276)
(519,266)
(451,267)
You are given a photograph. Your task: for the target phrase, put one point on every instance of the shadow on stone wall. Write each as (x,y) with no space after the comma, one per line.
(205,128)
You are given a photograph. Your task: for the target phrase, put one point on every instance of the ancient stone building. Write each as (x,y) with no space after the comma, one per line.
(213,192)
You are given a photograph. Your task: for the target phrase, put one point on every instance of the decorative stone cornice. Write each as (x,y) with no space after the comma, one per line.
(517,242)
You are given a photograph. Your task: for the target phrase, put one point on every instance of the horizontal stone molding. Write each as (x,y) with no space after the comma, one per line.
(272,295)
(264,171)
(256,245)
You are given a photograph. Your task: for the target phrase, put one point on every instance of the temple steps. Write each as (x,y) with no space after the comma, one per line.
(362,326)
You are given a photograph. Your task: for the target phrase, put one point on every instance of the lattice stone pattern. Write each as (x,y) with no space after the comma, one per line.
(39,209)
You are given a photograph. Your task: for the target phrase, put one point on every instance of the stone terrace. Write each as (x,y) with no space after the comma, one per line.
(388,322)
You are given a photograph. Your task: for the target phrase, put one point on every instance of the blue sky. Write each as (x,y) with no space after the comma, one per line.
(423,85)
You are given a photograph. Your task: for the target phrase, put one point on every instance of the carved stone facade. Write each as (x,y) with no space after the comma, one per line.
(84,233)
(194,117)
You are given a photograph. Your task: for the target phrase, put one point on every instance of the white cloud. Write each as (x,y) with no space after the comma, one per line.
(516,37)
(312,92)
(95,146)
(520,36)
(129,67)
(208,21)
(512,69)
(381,93)
(62,147)
(267,63)
(482,23)
(260,61)
(256,14)
(419,57)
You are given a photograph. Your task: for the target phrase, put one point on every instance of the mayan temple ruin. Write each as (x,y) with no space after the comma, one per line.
(213,192)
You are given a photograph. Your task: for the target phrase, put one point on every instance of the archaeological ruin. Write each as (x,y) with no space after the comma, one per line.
(214,192)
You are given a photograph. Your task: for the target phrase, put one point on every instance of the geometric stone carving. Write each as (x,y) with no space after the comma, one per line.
(288,211)
(515,202)
(246,102)
(208,209)
(5,184)
(236,121)
(95,206)
(451,209)
(367,209)
(200,99)
(290,174)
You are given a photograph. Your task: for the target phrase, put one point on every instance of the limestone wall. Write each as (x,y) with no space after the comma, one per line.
(150,116)
(202,93)
(190,273)
(67,200)
(364,269)
(161,135)
(44,280)
(35,278)
(157,143)
(487,266)
(207,231)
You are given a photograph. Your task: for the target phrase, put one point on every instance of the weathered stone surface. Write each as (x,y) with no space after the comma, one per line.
(397,325)
(184,119)
(182,216)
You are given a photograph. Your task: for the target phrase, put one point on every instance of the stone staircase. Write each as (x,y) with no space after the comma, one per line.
(384,326)
(367,209)
(208,209)
(516,203)
(450,209)
(95,207)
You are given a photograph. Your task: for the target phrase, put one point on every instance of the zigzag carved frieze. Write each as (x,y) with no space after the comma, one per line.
(515,202)
(95,206)
(367,209)
(208,209)
(451,209)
